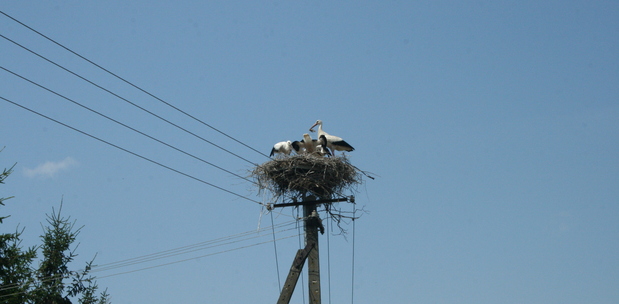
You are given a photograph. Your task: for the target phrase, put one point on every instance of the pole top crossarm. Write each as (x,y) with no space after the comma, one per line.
(350,199)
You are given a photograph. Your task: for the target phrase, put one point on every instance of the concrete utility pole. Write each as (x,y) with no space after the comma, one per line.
(312,224)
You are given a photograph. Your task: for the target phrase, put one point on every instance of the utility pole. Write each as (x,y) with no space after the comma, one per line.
(312,224)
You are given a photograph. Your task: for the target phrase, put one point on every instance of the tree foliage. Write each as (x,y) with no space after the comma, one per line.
(5,173)
(51,281)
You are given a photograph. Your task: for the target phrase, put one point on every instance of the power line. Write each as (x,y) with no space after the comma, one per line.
(125,100)
(197,257)
(150,267)
(301,247)
(170,252)
(328,257)
(279,282)
(352,287)
(16,285)
(132,153)
(183,250)
(122,124)
(133,85)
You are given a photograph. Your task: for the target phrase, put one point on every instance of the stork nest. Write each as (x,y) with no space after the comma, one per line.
(302,174)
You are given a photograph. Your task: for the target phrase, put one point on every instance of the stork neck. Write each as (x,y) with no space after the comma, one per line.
(320,131)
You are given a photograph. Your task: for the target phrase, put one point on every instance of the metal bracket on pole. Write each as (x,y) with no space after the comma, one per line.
(323,201)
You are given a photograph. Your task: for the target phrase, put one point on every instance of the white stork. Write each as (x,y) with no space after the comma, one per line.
(322,146)
(333,142)
(315,146)
(282,147)
(297,145)
(308,143)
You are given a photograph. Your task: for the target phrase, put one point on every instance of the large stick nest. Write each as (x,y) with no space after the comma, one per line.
(306,173)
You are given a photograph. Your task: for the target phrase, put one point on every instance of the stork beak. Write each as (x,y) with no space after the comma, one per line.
(312,128)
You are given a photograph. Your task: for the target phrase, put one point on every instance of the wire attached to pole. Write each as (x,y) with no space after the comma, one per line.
(279,282)
(352,289)
(329,260)
(301,247)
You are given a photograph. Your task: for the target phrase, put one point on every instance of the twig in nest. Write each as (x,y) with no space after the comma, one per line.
(306,174)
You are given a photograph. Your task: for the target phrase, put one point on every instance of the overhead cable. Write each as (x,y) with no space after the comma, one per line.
(279,282)
(197,257)
(131,84)
(182,250)
(166,253)
(122,124)
(178,252)
(125,100)
(51,278)
(130,152)
(328,258)
(352,275)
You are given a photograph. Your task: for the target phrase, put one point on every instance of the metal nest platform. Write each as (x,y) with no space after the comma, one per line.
(306,174)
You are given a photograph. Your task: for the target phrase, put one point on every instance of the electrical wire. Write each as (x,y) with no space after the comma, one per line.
(190,248)
(173,251)
(124,125)
(226,240)
(132,153)
(352,287)
(16,285)
(170,105)
(161,265)
(328,258)
(126,100)
(279,282)
(301,247)
(181,252)
(131,84)
(197,257)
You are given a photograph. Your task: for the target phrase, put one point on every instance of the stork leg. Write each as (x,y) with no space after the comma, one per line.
(329,153)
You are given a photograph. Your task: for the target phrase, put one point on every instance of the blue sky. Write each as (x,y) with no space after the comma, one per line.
(491,127)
